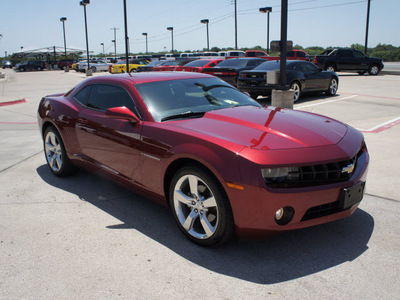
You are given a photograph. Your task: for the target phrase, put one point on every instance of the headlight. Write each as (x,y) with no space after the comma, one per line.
(275,175)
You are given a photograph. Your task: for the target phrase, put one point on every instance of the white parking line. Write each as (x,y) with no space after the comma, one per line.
(325,102)
(382,126)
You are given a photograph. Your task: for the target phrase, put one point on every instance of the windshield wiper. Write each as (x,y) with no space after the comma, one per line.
(186,114)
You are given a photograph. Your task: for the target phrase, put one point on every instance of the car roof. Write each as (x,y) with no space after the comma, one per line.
(145,77)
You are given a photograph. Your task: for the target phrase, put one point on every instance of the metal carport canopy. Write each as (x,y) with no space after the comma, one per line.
(47,51)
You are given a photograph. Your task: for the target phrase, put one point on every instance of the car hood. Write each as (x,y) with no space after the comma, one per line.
(265,128)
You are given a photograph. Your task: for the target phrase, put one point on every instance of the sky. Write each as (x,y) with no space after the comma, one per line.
(36,24)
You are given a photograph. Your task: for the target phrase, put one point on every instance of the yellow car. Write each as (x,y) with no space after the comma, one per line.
(75,65)
(133,65)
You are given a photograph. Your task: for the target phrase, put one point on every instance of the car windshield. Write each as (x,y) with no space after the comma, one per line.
(233,62)
(177,99)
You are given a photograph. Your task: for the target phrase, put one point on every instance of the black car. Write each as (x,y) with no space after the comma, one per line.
(31,65)
(6,64)
(228,70)
(348,60)
(302,76)
(150,66)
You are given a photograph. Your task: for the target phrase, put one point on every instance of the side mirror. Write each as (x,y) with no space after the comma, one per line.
(122,113)
(320,69)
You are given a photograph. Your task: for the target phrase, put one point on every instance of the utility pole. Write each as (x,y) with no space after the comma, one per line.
(236,45)
(115,40)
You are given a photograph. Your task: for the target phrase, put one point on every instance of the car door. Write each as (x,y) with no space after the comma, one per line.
(313,78)
(360,61)
(345,59)
(112,144)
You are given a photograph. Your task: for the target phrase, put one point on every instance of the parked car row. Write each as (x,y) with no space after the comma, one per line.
(250,74)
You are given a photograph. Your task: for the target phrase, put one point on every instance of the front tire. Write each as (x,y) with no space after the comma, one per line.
(56,156)
(373,70)
(93,69)
(201,207)
(333,87)
(295,86)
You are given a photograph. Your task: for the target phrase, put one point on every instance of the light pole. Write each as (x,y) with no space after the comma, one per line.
(267,10)
(84,3)
(115,41)
(284,15)
(206,21)
(366,29)
(103,46)
(63,19)
(126,39)
(172,37)
(115,53)
(145,34)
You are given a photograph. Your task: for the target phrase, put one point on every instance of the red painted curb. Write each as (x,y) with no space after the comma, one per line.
(12,102)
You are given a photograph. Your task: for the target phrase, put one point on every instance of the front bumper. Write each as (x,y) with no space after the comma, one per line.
(254,208)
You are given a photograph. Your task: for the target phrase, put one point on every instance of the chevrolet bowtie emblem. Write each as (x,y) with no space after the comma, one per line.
(349,169)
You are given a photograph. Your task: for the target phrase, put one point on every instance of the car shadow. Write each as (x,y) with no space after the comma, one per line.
(283,257)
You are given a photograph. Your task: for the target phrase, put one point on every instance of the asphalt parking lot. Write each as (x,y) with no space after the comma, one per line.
(84,237)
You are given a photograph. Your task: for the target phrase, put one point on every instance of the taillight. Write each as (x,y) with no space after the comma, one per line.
(315,59)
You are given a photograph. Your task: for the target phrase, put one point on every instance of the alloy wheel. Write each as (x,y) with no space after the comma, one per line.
(195,207)
(53,151)
(296,88)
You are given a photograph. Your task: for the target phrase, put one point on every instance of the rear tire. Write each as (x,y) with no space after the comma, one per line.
(201,207)
(297,90)
(333,87)
(330,68)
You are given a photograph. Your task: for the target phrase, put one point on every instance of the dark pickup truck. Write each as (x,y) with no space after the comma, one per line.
(348,60)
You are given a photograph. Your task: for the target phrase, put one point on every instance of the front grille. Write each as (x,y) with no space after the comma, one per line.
(314,175)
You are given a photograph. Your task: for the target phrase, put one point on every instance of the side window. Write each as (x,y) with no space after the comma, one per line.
(346,53)
(358,54)
(290,54)
(309,67)
(82,95)
(104,96)
(251,54)
(300,54)
(212,65)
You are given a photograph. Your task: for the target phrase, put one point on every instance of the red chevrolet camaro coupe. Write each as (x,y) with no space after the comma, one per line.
(225,165)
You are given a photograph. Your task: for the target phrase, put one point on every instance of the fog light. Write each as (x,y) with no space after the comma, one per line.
(284,215)
(279,214)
